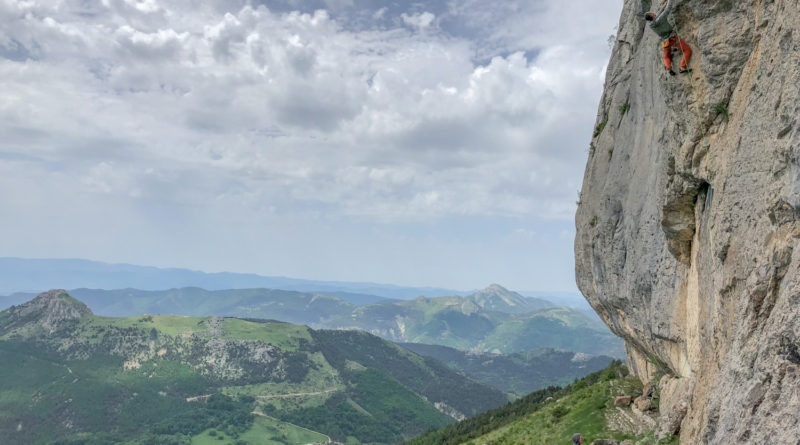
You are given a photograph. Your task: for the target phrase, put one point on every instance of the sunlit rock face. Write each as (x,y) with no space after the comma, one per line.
(690,214)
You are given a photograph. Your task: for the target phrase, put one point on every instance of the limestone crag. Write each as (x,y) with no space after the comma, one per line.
(690,214)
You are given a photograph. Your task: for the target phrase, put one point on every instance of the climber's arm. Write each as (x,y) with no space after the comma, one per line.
(646,4)
(663,17)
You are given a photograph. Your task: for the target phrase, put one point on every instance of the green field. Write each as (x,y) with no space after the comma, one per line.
(265,431)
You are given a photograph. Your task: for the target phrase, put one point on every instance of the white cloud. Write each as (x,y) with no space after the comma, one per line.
(259,95)
(222,105)
(420,21)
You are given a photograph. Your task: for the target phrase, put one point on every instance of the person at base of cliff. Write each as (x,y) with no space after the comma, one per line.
(577,439)
(670,40)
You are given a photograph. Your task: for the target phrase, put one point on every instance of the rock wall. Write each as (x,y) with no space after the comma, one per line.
(690,214)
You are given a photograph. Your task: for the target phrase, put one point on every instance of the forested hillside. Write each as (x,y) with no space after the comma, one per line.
(74,377)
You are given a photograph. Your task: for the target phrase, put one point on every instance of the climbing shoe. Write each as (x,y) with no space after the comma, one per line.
(671,73)
(686,70)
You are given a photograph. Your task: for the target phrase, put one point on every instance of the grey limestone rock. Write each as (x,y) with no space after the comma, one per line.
(689,218)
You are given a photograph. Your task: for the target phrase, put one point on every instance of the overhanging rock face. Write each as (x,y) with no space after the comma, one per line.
(689,218)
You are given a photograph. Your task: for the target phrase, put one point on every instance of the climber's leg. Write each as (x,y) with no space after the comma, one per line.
(687,53)
(667,54)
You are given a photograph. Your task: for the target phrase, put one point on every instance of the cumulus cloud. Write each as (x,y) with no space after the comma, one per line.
(346,110)
(420,21)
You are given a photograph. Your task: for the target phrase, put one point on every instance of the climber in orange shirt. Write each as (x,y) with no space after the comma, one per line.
(661,26)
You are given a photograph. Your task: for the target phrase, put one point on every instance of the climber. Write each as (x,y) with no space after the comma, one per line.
(661,26)
(577,439)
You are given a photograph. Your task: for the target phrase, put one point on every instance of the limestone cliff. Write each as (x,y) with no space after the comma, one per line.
(690,214)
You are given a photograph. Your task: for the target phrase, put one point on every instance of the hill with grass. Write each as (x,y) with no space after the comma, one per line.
(552,415)
(68,376)
(519,373)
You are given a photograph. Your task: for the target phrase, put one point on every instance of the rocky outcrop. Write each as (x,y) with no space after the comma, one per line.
(690,214)
(48,311)
(622,401)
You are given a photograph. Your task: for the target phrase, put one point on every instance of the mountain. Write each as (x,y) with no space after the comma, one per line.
(460,323)
(499,299)
(36,275)
(520,373)
(552,415)
(688,228)
(70,376)
(454,321)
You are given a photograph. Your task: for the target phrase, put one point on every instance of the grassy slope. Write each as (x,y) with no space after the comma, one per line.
(549,416)
(582,411)
(265,431)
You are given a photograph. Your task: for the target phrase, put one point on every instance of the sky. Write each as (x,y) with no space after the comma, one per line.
(437,143)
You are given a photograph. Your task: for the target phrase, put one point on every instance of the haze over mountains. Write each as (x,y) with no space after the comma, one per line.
(37,275)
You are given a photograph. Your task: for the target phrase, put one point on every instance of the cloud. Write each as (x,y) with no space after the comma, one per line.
(420,21)
(342,111)
(162,44)
(274,93)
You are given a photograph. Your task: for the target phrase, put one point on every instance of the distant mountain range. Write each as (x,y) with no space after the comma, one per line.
(493,319)
(37,275)
(72,377)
